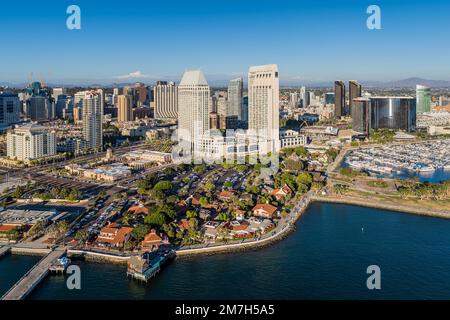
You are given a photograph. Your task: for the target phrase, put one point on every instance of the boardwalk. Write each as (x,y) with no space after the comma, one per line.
(32,278)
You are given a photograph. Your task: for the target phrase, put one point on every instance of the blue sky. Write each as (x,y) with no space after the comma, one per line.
(311,41)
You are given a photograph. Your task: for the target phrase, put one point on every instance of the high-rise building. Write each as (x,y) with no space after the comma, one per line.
(395,113)
(235,94)
(64,107)
(9,109)
(141,94)
(165,95)
(354,91)
(92,120)
(293,99)
(222,103)
(129,91)
(193,110)
(56,92)
(339,96)
(361,115)
(329,98)
(77,114)
(30,141)
(423,97)
(124,109)
(40,108)
(101,94)
(302,95)
(308,98)
(39,105)
(263,107)
(244,116)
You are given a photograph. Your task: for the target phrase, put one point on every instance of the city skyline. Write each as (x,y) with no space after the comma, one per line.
(295,35)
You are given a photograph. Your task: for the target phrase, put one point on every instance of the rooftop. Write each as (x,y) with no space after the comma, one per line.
(192,78)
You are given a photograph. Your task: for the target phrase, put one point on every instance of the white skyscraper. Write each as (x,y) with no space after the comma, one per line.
(29,142)
(263,106)
(92,119)
(193,109)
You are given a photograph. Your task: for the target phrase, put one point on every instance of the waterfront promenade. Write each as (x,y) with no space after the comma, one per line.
(371,203)
(34,276)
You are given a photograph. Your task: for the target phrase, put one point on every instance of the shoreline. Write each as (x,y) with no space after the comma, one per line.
(98,257)
(414,210)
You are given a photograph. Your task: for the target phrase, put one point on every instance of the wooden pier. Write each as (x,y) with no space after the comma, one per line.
(33,277)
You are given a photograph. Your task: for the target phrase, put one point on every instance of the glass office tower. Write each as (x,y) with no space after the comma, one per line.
(396,113)
(423,99)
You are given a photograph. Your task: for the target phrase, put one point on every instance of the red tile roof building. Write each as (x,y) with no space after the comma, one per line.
(264,210)
(151,241)
(113,235)
(282,192)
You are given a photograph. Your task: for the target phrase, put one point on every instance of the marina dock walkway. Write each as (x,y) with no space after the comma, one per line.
(32,278)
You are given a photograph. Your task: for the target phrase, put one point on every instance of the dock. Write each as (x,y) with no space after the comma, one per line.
(33,277)
(4,250)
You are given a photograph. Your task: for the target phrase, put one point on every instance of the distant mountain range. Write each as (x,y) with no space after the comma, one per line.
(409,83)
(404,83)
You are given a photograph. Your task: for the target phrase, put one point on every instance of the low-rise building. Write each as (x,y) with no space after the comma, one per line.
(281,192)
(113,235)
(152,241)
(292,139)
(264,210)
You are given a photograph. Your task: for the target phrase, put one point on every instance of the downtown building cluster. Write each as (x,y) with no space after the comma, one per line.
(380,112)
(198,134)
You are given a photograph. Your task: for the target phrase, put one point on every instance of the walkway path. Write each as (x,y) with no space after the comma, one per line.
(32,278)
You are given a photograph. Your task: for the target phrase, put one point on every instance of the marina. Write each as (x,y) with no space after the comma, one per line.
(408,160)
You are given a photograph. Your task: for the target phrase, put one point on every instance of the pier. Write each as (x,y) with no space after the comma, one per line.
(4,250)
(33,277)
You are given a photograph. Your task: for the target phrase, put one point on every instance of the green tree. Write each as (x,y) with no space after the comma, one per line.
(139,232)
(191,214)
(304,178)
(301,151)
(203,201)
(228,184)
(156,219)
